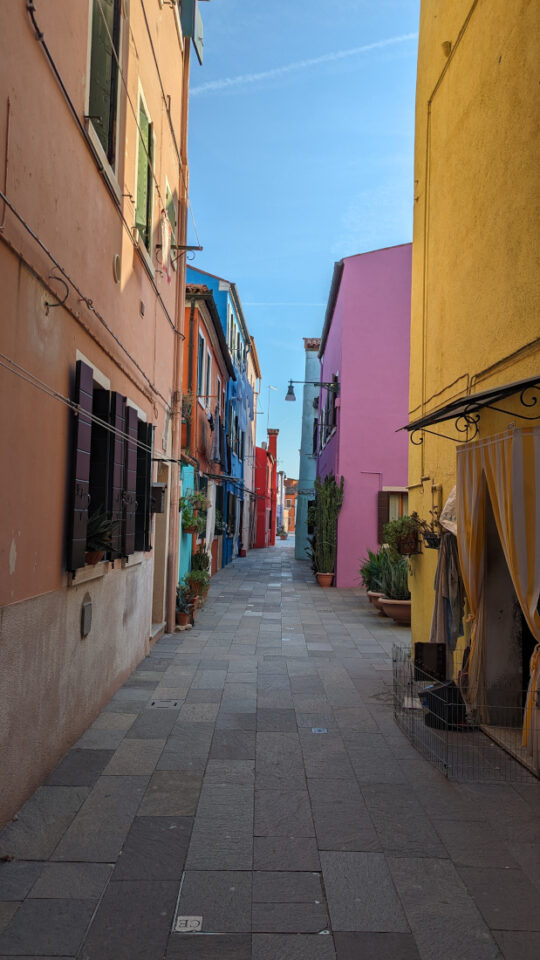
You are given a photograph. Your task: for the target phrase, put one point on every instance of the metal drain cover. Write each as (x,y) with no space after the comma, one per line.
(319,730)
(164,704)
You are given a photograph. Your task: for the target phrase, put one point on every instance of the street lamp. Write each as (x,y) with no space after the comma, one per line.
(290,396)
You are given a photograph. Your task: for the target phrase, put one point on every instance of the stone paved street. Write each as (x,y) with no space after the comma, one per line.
(249,778)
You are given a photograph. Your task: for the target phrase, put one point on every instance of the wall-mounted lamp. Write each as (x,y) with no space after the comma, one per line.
(316,383)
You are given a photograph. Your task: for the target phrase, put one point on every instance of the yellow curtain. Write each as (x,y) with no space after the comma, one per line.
(508,466)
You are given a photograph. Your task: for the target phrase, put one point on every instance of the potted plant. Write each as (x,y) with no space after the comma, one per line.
(185,605)
(99,531)
(430,530)
(370,574)
(324,516)
(396,602)
(199,581)
(282,533)
(198,500)
(402,535)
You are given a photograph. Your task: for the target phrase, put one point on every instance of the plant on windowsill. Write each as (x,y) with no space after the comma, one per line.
(403,535)
(99,533)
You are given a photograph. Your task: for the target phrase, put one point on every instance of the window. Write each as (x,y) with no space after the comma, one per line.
(145,193)
(111,470)
(103,99)
(314,441)
(391,504)
(208,381)
(200,367)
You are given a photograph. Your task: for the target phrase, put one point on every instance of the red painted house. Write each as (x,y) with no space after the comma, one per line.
(266,490)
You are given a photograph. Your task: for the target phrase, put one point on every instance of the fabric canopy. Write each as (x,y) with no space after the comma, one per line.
(507,466)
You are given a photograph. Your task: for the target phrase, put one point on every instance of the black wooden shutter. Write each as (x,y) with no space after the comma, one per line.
(82,440)
(143,518)
(117,420)
(383,513)
(130,482)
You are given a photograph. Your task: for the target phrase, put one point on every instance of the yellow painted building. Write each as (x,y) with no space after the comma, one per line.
(475,324)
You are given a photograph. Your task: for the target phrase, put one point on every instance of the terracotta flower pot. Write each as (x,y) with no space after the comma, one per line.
(375,598)
(182,618)
(94,556)
(399,610)
(324,579)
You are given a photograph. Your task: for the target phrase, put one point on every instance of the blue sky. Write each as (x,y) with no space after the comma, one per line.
(301,136)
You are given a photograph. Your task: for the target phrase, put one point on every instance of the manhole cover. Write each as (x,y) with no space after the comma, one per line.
(164,704)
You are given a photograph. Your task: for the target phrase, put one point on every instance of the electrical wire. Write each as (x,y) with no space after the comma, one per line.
(40,37)
(87,300)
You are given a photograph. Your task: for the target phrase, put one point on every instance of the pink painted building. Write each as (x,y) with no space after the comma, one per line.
(365,351)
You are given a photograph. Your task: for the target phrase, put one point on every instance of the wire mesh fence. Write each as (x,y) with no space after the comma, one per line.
(480,745)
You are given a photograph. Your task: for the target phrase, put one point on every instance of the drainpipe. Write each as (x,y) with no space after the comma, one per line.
(176,399)
(190,372)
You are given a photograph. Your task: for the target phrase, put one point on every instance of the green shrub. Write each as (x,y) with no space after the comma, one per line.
(370,569)
(324,516)
(394,576)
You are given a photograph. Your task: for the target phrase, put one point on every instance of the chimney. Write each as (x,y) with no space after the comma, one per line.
(272,442)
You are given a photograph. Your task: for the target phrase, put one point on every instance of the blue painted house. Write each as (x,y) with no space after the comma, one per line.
(239,407)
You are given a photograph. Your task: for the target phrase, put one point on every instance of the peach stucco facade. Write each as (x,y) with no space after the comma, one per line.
(67,234)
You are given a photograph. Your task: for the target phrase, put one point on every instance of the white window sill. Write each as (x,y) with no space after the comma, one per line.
(133,560)
(92,571)
(102,160)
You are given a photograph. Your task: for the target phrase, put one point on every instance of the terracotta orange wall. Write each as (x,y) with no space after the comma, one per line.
(54,183)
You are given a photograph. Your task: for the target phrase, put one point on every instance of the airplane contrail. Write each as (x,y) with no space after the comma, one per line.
(248,78)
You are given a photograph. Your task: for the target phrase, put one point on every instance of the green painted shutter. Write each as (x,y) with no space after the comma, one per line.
(80,472)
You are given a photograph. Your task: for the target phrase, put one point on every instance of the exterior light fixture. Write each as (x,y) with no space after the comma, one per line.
(316,383)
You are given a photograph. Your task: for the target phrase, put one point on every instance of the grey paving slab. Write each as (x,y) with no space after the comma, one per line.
(443,917)
(286,887)
(221,898)
(79,768)
(345,825)
(8,909)
(155,849)
(518,946)
(153,724)
(203,696)
(473,844)
(285,853)
(286,814)
(135,757)
(47,927)
(41,822)
(132,922)
(101,825)
(171,794)
(233,946)
(71,881)
(287,947)
(17,878)
(199,712)
(289,917)
(360,893)
(375,946)
(230,771)
(505,897)
(233,745)
(216,844)
(272,720)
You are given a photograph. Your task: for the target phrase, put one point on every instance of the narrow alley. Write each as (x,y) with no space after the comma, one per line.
(248,783)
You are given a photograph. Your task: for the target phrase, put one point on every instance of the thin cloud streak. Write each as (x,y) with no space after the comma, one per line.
(248,78)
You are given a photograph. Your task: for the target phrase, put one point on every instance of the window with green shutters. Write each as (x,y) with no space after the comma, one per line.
(145,159)
(103,100)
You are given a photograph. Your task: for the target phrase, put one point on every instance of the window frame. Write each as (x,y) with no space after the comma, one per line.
(141,103)
(201,355)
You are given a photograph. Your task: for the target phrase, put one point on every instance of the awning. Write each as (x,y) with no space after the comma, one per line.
(465,410)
